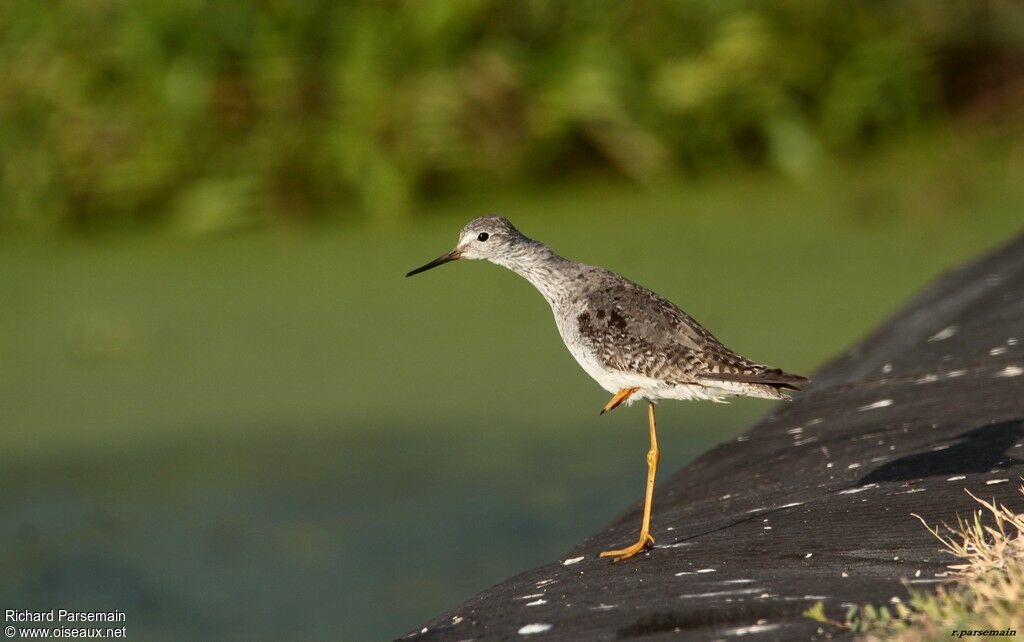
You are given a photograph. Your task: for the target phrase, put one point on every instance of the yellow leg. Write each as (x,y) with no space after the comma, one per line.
(653,455)
(617,400)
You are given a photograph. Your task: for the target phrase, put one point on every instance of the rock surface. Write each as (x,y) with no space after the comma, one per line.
(814,502)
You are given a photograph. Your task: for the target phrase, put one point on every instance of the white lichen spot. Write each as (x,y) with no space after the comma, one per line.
(943,334)
(675,545)
(881,403)
(801,442)
(928,378)
(544,583)
(845,574)
(604,607)
(539,627)
(572,560)
(911,491)
(953,374)
(795,431)
(808,555)
(998,350)
(747,630)
(1012,341)
(705,570)
(790,505)
(815,421)
(957,478)
(993,482)
(895,600)
(859,489)
(531,596)
(537,602)
(456,619)
(853,465)
(887,368)
(682,573)
(917,573)
(750,591)
(739,581)
(1010,371)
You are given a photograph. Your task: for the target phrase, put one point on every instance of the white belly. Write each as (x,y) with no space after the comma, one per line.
(654,389)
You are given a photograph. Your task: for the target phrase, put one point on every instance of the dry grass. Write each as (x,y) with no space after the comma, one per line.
(985,594)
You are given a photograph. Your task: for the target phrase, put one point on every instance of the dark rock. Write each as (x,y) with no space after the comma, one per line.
(815,501)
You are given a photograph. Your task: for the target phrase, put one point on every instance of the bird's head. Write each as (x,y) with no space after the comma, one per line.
(492,238)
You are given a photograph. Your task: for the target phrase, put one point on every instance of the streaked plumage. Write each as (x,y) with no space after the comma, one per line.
(622,334)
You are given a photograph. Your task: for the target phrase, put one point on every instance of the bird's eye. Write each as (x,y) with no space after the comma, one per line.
(483,236)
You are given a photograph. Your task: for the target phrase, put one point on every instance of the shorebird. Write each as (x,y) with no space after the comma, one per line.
(634,343)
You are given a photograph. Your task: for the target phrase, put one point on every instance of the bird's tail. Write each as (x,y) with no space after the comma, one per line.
(772,377)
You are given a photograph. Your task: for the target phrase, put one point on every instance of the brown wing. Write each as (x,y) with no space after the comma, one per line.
(631,329)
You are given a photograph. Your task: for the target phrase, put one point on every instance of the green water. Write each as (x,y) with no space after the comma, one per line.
(278,433)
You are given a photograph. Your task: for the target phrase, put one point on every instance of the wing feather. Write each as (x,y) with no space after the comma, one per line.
(631,329)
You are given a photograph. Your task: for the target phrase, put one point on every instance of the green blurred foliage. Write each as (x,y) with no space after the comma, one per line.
(208,115)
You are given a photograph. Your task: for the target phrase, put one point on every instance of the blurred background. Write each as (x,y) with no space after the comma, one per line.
(225,412)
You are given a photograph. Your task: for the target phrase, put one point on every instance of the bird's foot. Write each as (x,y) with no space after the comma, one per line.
(620,396)
(628,552)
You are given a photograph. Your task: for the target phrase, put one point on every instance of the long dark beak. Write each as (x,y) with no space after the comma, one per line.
(441,260)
